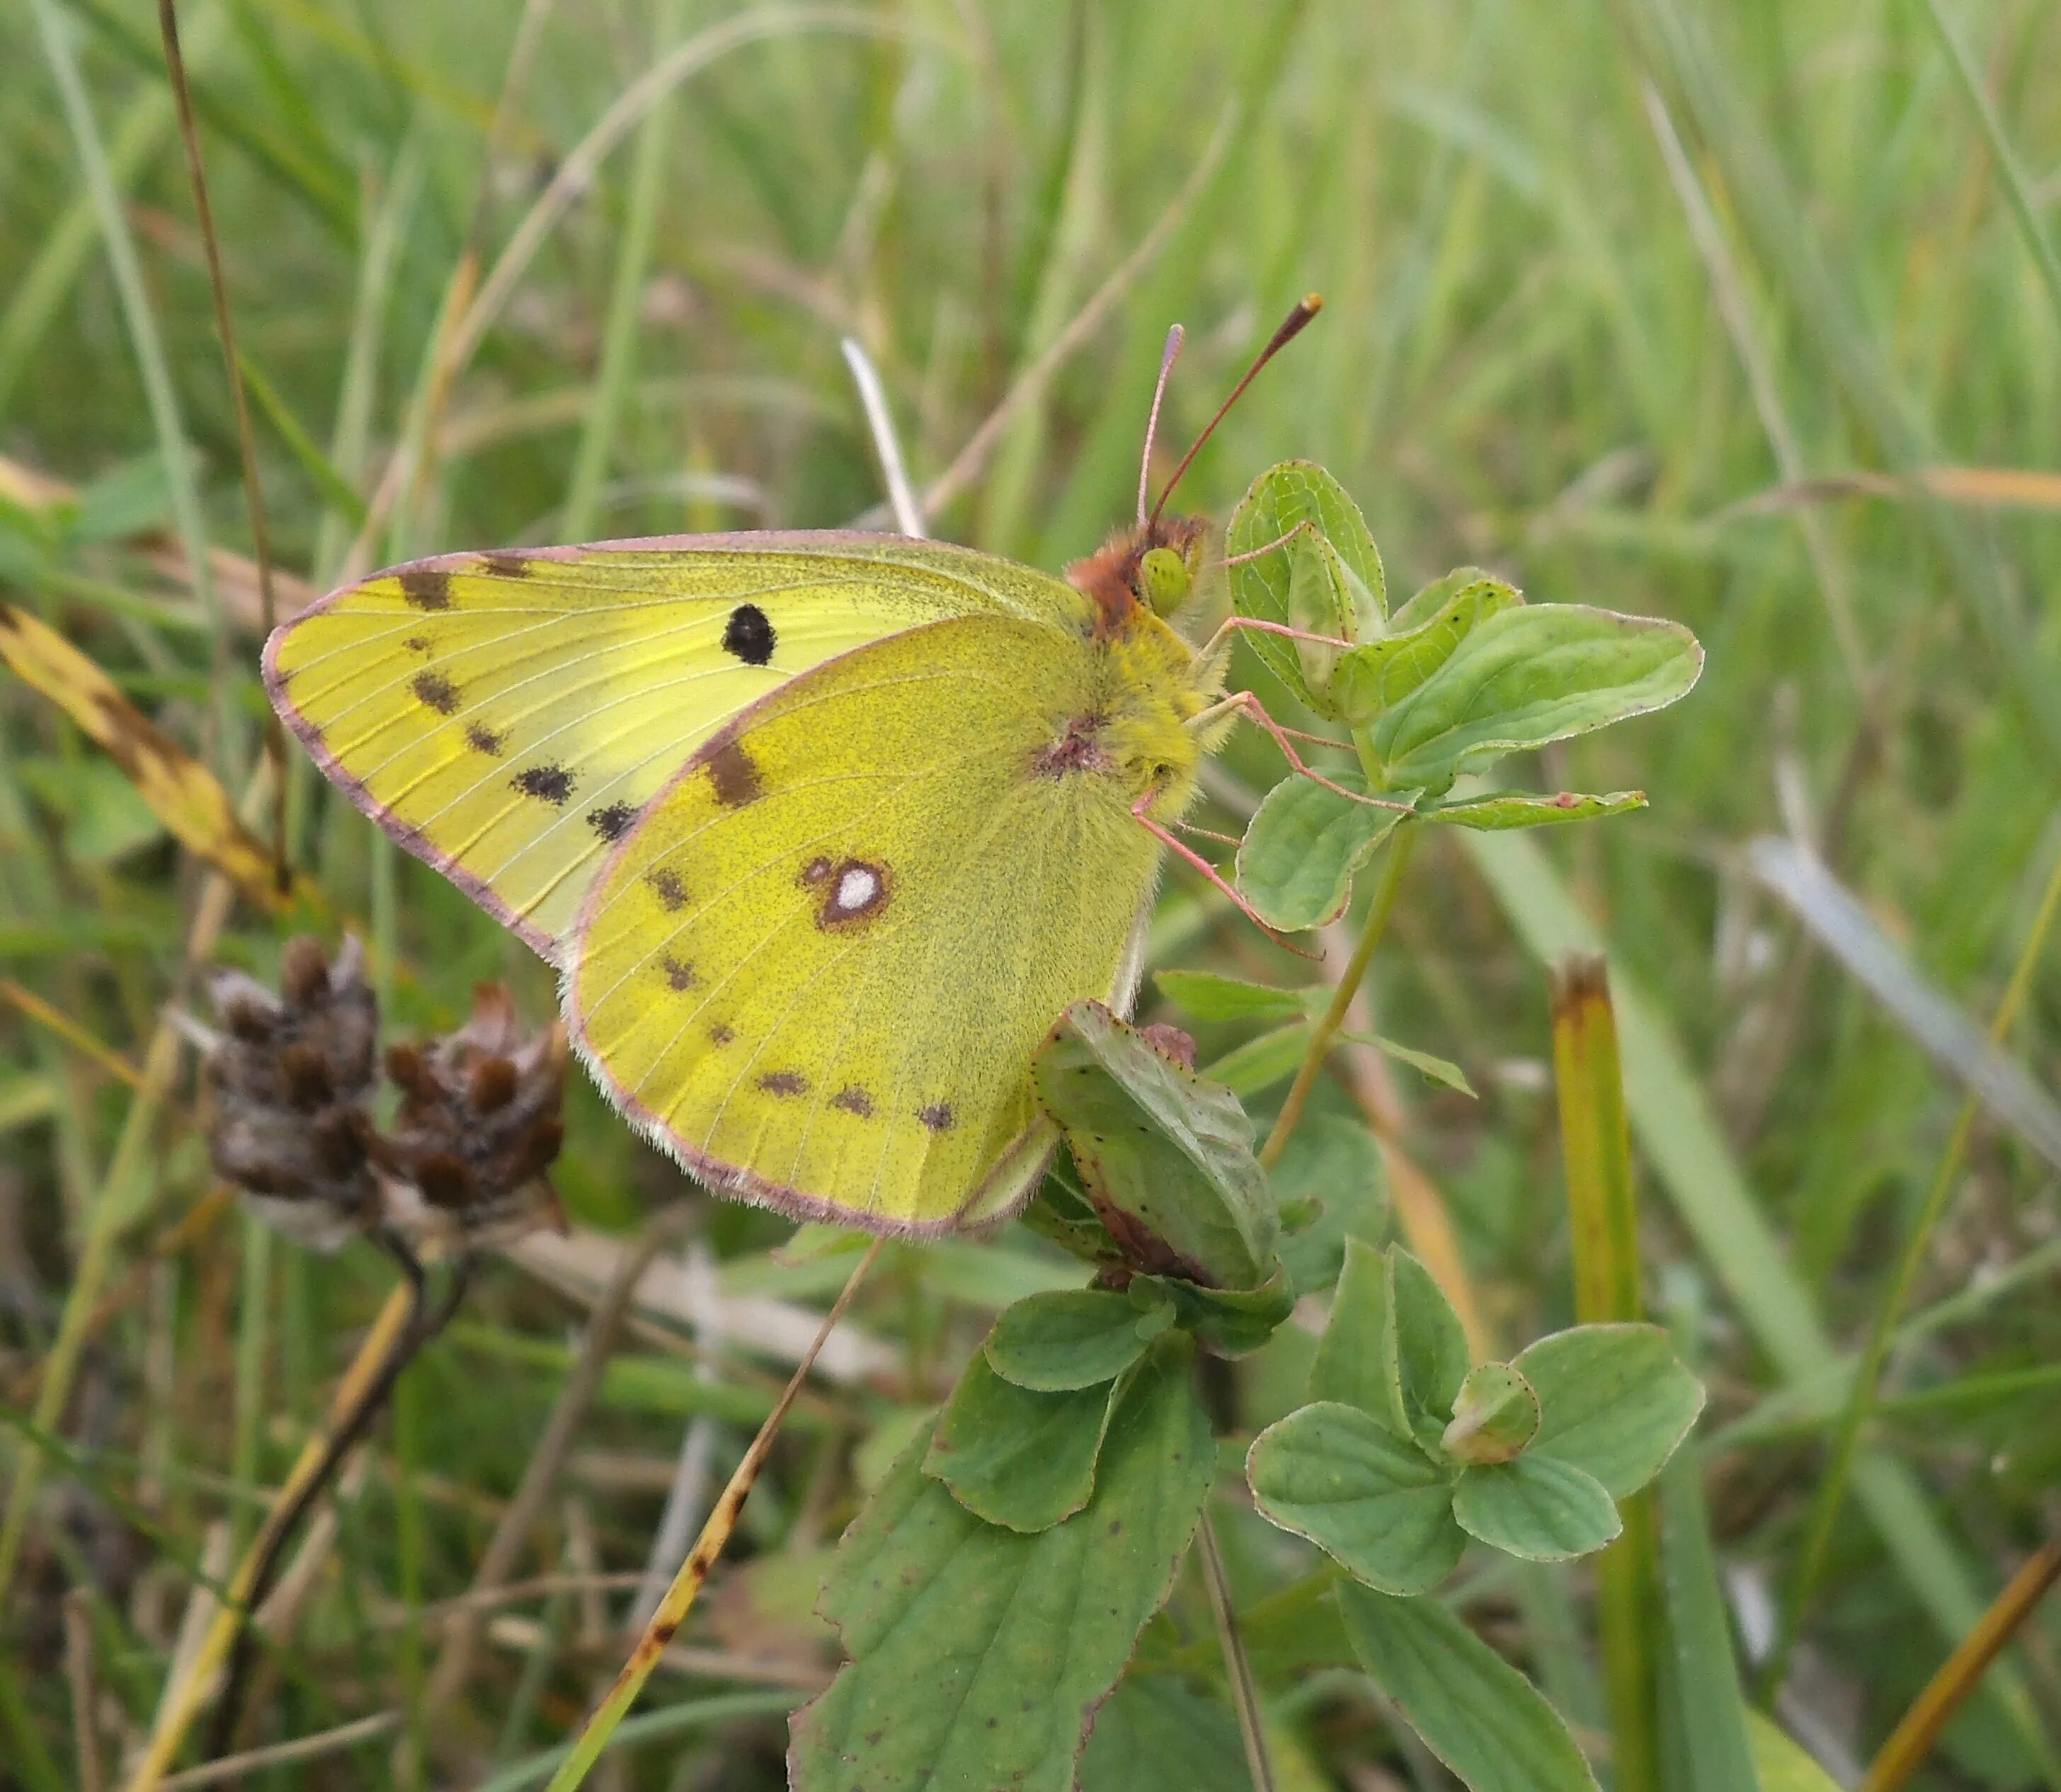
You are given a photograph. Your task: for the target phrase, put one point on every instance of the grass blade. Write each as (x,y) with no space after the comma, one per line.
(1602,1207)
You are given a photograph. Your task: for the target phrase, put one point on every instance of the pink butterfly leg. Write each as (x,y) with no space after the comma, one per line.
(1140,810)
(1250,706)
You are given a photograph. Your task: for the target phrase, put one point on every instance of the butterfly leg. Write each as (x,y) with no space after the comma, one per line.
(1141,812)
(1232,624)
(1245,703)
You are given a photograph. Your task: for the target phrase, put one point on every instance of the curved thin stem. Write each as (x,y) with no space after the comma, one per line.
(1238,1669)
(687,1584)
(1326,1032)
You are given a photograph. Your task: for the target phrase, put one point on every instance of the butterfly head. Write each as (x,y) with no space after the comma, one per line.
(1154,567)
(1158,566)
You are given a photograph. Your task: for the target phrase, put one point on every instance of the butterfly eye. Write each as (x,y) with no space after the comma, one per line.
(1165,579)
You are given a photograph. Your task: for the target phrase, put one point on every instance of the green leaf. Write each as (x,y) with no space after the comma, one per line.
(1336,1162)
(1496,1416)
(1529,675)
(1376,1504)
(1062,1213)
(1166,1157)
(1015,1457)
(1304,842)
(1378,675)
(1232,1322)
(1208,997)
(1439,1070)
(1072,1337)
(1262,1061)
(103,816)
(1432,1344)
(1475,1712)
(1285,497)
(1319,603)
(1026,1635)
(1782,1766)
(1699,1674)
(1536,1508)
(1356,1357)
(1614,1401)
(1156,1735)
(1501,810)
(127,499)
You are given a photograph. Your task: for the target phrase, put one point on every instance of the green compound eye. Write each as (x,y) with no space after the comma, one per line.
(1164,575)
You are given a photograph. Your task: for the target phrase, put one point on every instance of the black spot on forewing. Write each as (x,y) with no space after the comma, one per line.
(733,773)
(784,1082)
(483,739)
(748,634)
(614,821)
(426,587)
(435,689)
(551,784)
(679,976)
(853,1100)
(937,1117)
(504,565)
(666,884)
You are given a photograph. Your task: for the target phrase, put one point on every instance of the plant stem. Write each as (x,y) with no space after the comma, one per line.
(1596,1145)
(1327,1029)
(694,1573)
(1912,1739)
(1867,1377)
(1238,1669)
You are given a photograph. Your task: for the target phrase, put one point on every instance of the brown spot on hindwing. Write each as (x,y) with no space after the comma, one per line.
(733,773)
(436,690)
(483,739)
(551,784)
(719,1034)
(679,976)
(855,1101)
(426,587)
(854,891)
(937,1117)
(667,887)
(784,1082)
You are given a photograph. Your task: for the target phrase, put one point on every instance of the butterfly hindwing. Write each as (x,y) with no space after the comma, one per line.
(818,968)
(508,716)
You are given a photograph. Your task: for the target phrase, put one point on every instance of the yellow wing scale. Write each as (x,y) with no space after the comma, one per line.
(817,969)
(507,716)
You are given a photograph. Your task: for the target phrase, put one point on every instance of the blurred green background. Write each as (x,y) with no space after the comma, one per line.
(1746,314)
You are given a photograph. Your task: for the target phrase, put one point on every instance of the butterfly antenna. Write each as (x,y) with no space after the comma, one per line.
(1291,327)
(1175,338)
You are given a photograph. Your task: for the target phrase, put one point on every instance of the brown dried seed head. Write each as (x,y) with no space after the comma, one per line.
(493,1085)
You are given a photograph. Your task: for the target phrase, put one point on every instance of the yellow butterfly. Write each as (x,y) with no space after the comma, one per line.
(822,830)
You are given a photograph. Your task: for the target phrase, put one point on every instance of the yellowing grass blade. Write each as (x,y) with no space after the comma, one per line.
(182,792)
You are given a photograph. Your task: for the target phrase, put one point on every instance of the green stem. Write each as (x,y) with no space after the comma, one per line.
(618,351)
(1861,1399)
(1326,1031)
(2024,203)
(1238,1669)
(1603,1209)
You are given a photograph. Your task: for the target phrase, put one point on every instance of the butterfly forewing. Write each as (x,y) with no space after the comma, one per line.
(818,968)
(508,716)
